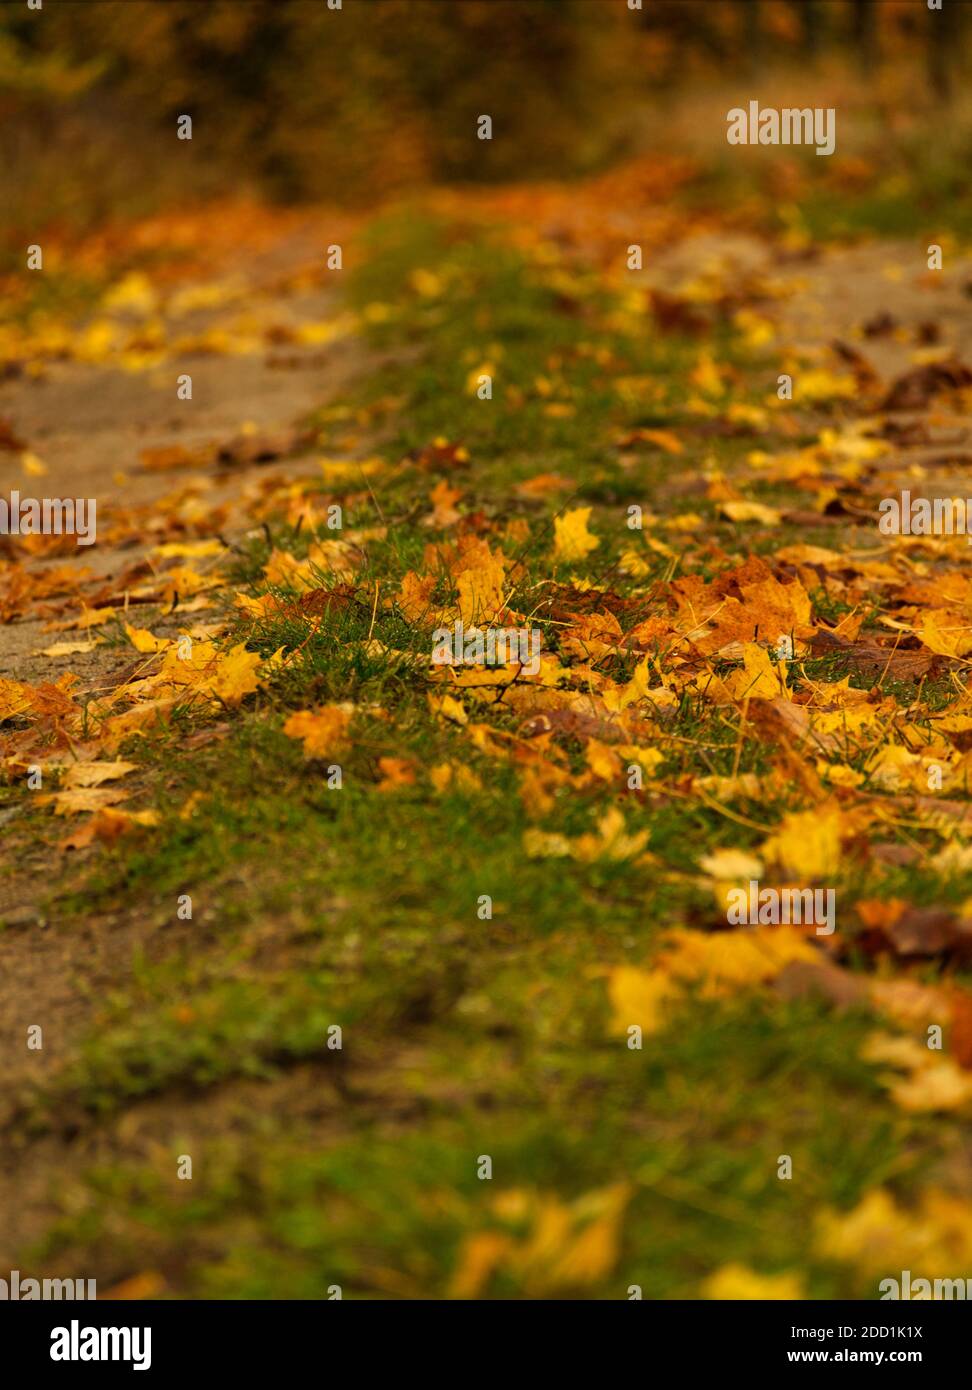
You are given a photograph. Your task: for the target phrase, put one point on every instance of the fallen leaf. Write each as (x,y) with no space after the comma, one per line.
(573,541)
(323,731)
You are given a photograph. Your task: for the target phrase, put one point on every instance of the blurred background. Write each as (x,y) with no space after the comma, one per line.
(293,101)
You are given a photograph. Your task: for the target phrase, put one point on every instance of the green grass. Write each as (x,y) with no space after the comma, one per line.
(918,191)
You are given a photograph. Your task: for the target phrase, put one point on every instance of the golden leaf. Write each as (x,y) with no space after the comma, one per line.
(734,1282)
(572,539)
(323,731)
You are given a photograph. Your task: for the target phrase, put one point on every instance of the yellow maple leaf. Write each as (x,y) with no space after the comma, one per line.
(734,1282)
(611,841)
(591,1253)
(539,784)
(144,641)
(338,557)
(415,595)
(72,648)
(878,1237)
(480,1256)
(760,679)
(76,800)
(323,731)
(114,730)
(92,774)
(572,539)
(480,591)
(223,676)
(638,998)
(47,701)
(444,776)
(187,549)
(564,1245)
(720,962)
(648,758)
(944,633)
(133,291)
(750,511)
(602,760)
(634,564)
(90,617)
(636,689)
(261,607)
(707,375)
(449,708)
(932,1083)
(941,1086)
(819,384)
(444,511)
(807,844)
(285,571)
(15,698)
(182,582)
(544,844)
(731,865)
(664,439)
(235,675)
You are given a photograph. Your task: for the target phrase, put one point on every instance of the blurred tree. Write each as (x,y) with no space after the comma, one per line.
(865,34)
(752,31)
(302,101)
(811,22)
(25,73)
(942,42)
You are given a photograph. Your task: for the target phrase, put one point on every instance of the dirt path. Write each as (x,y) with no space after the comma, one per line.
(89,423)
(876,302)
